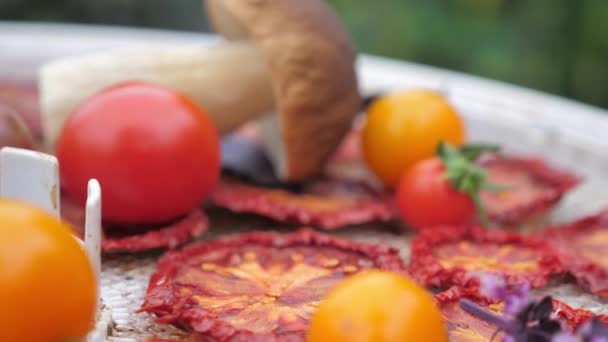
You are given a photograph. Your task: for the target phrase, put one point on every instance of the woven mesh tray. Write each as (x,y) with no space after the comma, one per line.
(566,133)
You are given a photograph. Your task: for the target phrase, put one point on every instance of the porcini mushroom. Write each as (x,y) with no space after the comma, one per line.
(230,81)
(292,56)
(311,63)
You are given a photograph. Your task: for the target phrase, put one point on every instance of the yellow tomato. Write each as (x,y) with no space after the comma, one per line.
(47,284)
(405,127)
(377,306)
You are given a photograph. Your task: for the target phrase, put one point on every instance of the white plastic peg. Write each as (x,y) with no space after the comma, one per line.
(30,176)
(92,226)
(33,177)
(92,242)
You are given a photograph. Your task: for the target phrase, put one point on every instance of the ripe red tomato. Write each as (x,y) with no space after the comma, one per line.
(426,198)
(155,153)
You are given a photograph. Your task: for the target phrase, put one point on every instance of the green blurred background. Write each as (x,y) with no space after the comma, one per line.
(558,46)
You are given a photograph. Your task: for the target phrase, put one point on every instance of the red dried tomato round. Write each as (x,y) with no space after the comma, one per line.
(448,256)
(257,286)
(140,238)
(464,327)
(22,97)
(535,188)
(326,203)
(582,247)
(574,318)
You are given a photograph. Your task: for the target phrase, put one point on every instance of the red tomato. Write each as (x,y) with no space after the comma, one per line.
(426,198)
(155,153)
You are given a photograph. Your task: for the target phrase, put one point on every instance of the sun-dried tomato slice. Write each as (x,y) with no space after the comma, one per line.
(140,239)
(257,286)
(340,198)
(347,162)
(574,318)
(535,188)
(187,339)
(324,203)
(583,249)
(464,327)
(448,256)
(23,98)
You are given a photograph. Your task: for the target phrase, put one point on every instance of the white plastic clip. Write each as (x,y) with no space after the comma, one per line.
(30,176)
(34,177)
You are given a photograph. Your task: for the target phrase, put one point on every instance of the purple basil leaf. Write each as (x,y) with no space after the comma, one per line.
(543,309)
(247,160)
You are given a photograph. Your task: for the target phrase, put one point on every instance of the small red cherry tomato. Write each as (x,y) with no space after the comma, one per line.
(155,153)
(426,198)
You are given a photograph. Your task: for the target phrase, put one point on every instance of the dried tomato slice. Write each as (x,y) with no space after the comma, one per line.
(256,286)
(23,98)
(536,187)
(324,203)
(464,327)
(574,318)
(347,162)
(338,199)
(448,256)
(583,249)
(140,239)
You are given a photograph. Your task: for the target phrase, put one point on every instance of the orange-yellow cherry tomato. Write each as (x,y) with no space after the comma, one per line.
(405,127)
(377,306)
(47,283)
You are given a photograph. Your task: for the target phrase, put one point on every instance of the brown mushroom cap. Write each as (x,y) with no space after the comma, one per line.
(312,65)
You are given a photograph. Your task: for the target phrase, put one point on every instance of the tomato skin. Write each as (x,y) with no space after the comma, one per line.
(377,306)
(47,285)
(404,127)
(154,152)
(425,197)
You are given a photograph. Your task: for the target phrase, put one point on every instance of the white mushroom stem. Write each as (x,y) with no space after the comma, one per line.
(229,81)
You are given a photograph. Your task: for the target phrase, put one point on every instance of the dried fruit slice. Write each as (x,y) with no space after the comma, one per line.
(572,317)
(344,198)
(326,203)
(464,327)
(535,188)
(256,286)
(448,256)
(22,97)
(347,162)
(583,249)
(139,239)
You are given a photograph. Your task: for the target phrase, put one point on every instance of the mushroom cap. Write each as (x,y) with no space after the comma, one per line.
(312,68)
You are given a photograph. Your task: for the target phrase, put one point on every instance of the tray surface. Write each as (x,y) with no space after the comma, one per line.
(566,133)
